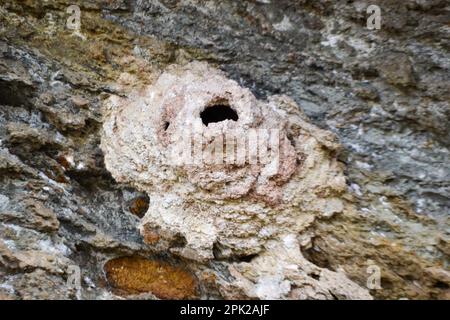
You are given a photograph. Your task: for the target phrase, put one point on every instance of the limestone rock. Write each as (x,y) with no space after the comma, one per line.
(40,285)
(32,259)
(396,68)
(384,93)
(35,215)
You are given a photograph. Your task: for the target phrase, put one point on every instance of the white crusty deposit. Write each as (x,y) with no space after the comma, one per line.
(207,210)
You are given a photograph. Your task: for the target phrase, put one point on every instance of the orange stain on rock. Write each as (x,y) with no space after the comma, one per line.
(135,275)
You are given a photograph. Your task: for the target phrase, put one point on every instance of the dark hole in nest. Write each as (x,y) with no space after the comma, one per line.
(179,241)
(218,113)
(166,125)
(315,276)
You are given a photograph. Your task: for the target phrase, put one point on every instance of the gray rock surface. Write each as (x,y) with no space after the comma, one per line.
(384,93)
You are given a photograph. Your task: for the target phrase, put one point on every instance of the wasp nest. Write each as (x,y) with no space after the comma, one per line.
(228,176)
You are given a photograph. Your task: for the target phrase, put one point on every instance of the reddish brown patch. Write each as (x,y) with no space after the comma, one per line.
(151,237)
(62,160)
(135,275)
(139,206)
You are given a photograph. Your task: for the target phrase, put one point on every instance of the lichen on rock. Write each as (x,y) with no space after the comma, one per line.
(204,209)
(137,275)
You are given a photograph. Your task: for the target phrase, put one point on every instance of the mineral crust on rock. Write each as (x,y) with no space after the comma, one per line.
(237,208)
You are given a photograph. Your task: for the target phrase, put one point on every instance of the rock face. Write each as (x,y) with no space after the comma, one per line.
(204,207)
(383,93)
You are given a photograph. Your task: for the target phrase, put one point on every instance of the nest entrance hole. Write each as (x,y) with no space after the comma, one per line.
(218,112)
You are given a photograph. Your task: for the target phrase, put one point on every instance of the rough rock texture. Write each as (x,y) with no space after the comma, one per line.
(383,93)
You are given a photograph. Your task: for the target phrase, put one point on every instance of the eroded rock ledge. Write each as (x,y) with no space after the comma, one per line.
(252,210)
